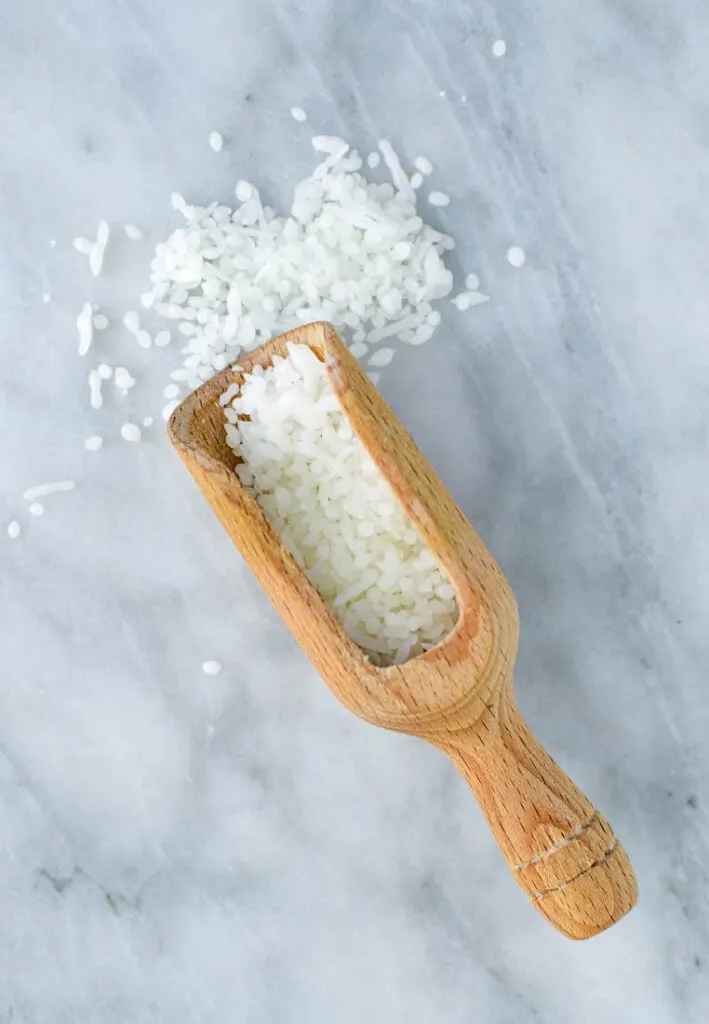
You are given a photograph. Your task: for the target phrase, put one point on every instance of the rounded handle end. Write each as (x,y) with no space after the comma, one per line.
(582,884)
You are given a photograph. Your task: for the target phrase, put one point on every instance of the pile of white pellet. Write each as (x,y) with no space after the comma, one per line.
(335,511)
(351,251)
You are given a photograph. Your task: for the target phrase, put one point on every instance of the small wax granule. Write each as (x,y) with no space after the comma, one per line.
(516,256)
(131,432)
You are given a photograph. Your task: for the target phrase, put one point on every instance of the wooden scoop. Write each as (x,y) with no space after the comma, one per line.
(458,696)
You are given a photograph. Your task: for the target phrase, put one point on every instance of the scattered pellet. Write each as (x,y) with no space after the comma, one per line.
(131,432)
(516,256)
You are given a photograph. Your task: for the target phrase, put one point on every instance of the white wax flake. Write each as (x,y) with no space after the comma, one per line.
(46,298)
(359,350)
(466,300)
(438,199)
(374,377)
(95,396)
(36,508)
(85,327)
(162,338)
(169,409)
(100,321)
(298,114)
(443,93)
(180,206)
(131,322)
(93,443)
(98,249)
(83,245)
(14,530)
(243,191)
(172,391)
(123,380)
(148,421)
(416,180)
(401,182)
(42,490)
(423,166)
(133,232)
(104,371)
(382,357)
(328,143)
(52,243)
(373,160)
(131,432)
(211,668)
(216,141)
(144,339)
(499,48)
(516,256)
(472,282)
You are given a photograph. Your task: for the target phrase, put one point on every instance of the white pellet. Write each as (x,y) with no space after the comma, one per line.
(144,339)
(359,349)
(298,114)
(93,443)
(148,421)
(131,321)
(399,178)
(423,166)
(438,199)
(95,395)
(499,48)
(83,245)
(100,321)
(98,249)
(327,143)
(46,298)
(133,232)
(382,357)
(104,371)
(211,668)
(373,160)
(131,432)
(14,530)
(416,180)
(172,391)
(162,338)
(472,282)
(36,508)
(85,327)
(216,141)
(42,490)
(123,380)
(516,256)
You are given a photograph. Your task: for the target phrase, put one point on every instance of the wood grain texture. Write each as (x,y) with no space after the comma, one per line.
(459,695)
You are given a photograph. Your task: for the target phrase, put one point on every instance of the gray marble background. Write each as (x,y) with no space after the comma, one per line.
(183,849)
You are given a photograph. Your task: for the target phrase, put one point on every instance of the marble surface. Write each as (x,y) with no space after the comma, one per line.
(188,849)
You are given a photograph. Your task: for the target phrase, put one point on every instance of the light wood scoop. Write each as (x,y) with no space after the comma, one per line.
(458,696)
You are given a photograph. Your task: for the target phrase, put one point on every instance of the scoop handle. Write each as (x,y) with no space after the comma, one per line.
(562,852)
